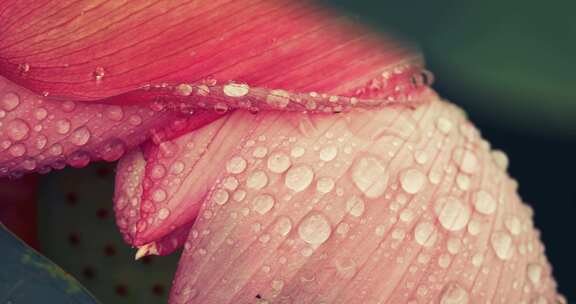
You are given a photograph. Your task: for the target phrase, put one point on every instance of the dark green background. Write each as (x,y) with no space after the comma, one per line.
(511,65)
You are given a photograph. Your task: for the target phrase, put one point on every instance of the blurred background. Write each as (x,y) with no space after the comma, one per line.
(509,64)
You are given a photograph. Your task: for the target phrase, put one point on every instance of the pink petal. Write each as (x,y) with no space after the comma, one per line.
(389,206)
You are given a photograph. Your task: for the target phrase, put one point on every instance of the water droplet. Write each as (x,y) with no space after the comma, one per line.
(314,229)
(539,300)
(444,125)
(236,89)
(24,68)
(29,164)
(370,177)
(299,178)
(425,234)
(484,203)
(41,142)
(63,126)
(466,160)
(263,203)
(283,225)
(135,120)
(56,149)
(452,213)
(444,261)
(412,180)
(158,171)
(453,245)
(99,73)
(78,159)
(454,294)
(463,182)
(18,129)
(501,159)
(220,196)
(230,183)
(502,244)
(221,108)
(513,225)
(68,106)
(184,89)
(279,162)
(297,152)
(257,180)
(10,101)
(40,113)
(260,152)
(114,113)
(80,136)
(534,272)
(324,184)
(159,195)
(477,259)
(163,213)
(278,98)
(236,165)
(421,157)
(17,150)
(346,267)
(355,206)
(328,153)
(113,150)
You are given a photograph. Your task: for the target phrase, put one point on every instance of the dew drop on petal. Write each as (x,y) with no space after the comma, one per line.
(163,213)
(466,160)
(236,165)
(17,150)
(278,162)
(534,273)
(159,195)
(370,176)
(68,106)
(328,153)
(324,184)
(412,180)
(484,202)
(452,213)
(283,225)
(501,159)
(257,180)
(220,196)
(236,89)
(502,245)
(513,225)
(453,293)
(113,150)
(80,136)
(17,129)
(278,98)
(114,113)
(355,206)
(40,113)
(63,126)
(425,234)
(41,142)
(297,152)
(10,101)
(314,229)
(444,125)
(263,203)
(299,178)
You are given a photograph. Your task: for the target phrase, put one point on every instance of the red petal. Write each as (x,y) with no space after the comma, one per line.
(91,50)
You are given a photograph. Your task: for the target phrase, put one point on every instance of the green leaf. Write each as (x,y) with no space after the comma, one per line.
(26,277)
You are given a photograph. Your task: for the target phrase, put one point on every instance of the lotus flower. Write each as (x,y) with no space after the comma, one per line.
(295,156)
